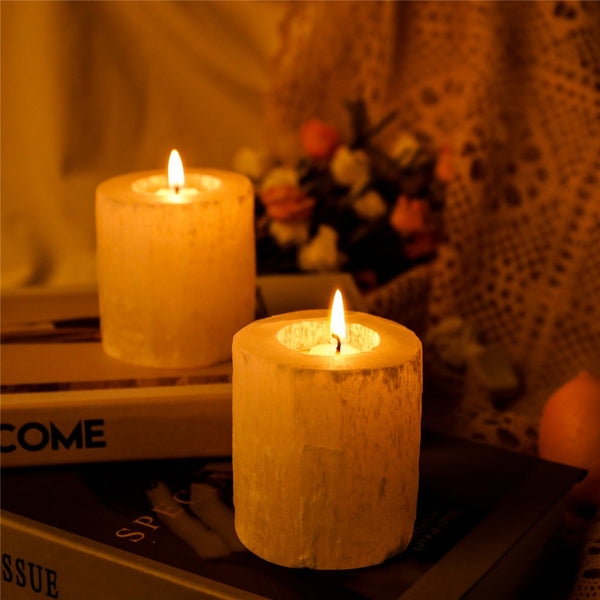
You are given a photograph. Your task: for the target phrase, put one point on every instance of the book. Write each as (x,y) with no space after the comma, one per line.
(64,400)
(486,522)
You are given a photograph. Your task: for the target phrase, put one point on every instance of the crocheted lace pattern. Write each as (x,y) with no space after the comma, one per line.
(514,89)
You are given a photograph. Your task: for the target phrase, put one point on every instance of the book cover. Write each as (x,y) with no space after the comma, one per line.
(164,529)
(65,401)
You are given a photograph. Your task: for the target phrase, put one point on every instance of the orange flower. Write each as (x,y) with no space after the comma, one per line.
(444,168)
(287,203)
(421,245)
(409,216)
(319,139)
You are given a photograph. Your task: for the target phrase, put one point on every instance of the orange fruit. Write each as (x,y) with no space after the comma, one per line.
(570,433)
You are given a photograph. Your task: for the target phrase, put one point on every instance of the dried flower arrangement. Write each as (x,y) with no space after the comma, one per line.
(347,204)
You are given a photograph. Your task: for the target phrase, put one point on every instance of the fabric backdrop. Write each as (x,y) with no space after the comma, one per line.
(94,89)
(514,89)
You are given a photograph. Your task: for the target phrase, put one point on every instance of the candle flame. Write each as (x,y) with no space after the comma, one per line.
(176,177)
(338,321)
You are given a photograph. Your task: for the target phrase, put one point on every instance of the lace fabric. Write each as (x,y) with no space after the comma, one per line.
(514,89)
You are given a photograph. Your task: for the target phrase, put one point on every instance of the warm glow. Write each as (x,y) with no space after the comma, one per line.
(338,322)
(176,178)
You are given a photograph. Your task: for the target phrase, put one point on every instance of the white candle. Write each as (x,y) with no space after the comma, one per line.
(176,266)
(337,329)
(325,447)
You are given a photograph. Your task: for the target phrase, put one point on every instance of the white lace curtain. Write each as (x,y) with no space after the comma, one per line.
(514,89)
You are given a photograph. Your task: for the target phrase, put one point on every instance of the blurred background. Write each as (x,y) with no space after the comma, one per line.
(94,89)
(504,95)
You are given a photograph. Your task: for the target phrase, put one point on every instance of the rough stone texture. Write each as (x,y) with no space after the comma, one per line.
(175,281)
(326,448)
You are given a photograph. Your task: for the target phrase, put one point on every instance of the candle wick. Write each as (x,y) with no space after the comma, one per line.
(176,187)
(338,347)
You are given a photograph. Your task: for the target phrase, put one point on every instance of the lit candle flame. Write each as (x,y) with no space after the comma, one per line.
(176,177)
(338,322)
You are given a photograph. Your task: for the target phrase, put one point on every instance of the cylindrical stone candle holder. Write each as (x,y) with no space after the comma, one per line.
(176,267)
(326,448)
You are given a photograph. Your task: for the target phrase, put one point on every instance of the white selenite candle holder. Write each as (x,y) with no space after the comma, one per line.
(326,448)
(176,271)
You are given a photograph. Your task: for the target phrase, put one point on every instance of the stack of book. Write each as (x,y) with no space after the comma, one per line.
(117,480)
(164,529)
(65,401)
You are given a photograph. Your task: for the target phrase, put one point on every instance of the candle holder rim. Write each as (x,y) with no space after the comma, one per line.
(233,185)
(397,343)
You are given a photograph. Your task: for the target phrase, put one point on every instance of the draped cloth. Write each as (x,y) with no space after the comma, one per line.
(91,90)
(514,89)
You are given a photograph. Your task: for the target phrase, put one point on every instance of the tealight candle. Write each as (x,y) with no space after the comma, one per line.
(337,329)
(326,445)
(175,263)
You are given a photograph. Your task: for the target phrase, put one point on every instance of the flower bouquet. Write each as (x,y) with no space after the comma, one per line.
(347,204)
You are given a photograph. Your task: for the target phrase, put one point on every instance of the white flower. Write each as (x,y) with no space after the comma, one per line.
(404,149)
(321,253)
(251,162)
(454,341)
(280,176)
(289,234)
(370,206)
(350,167)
